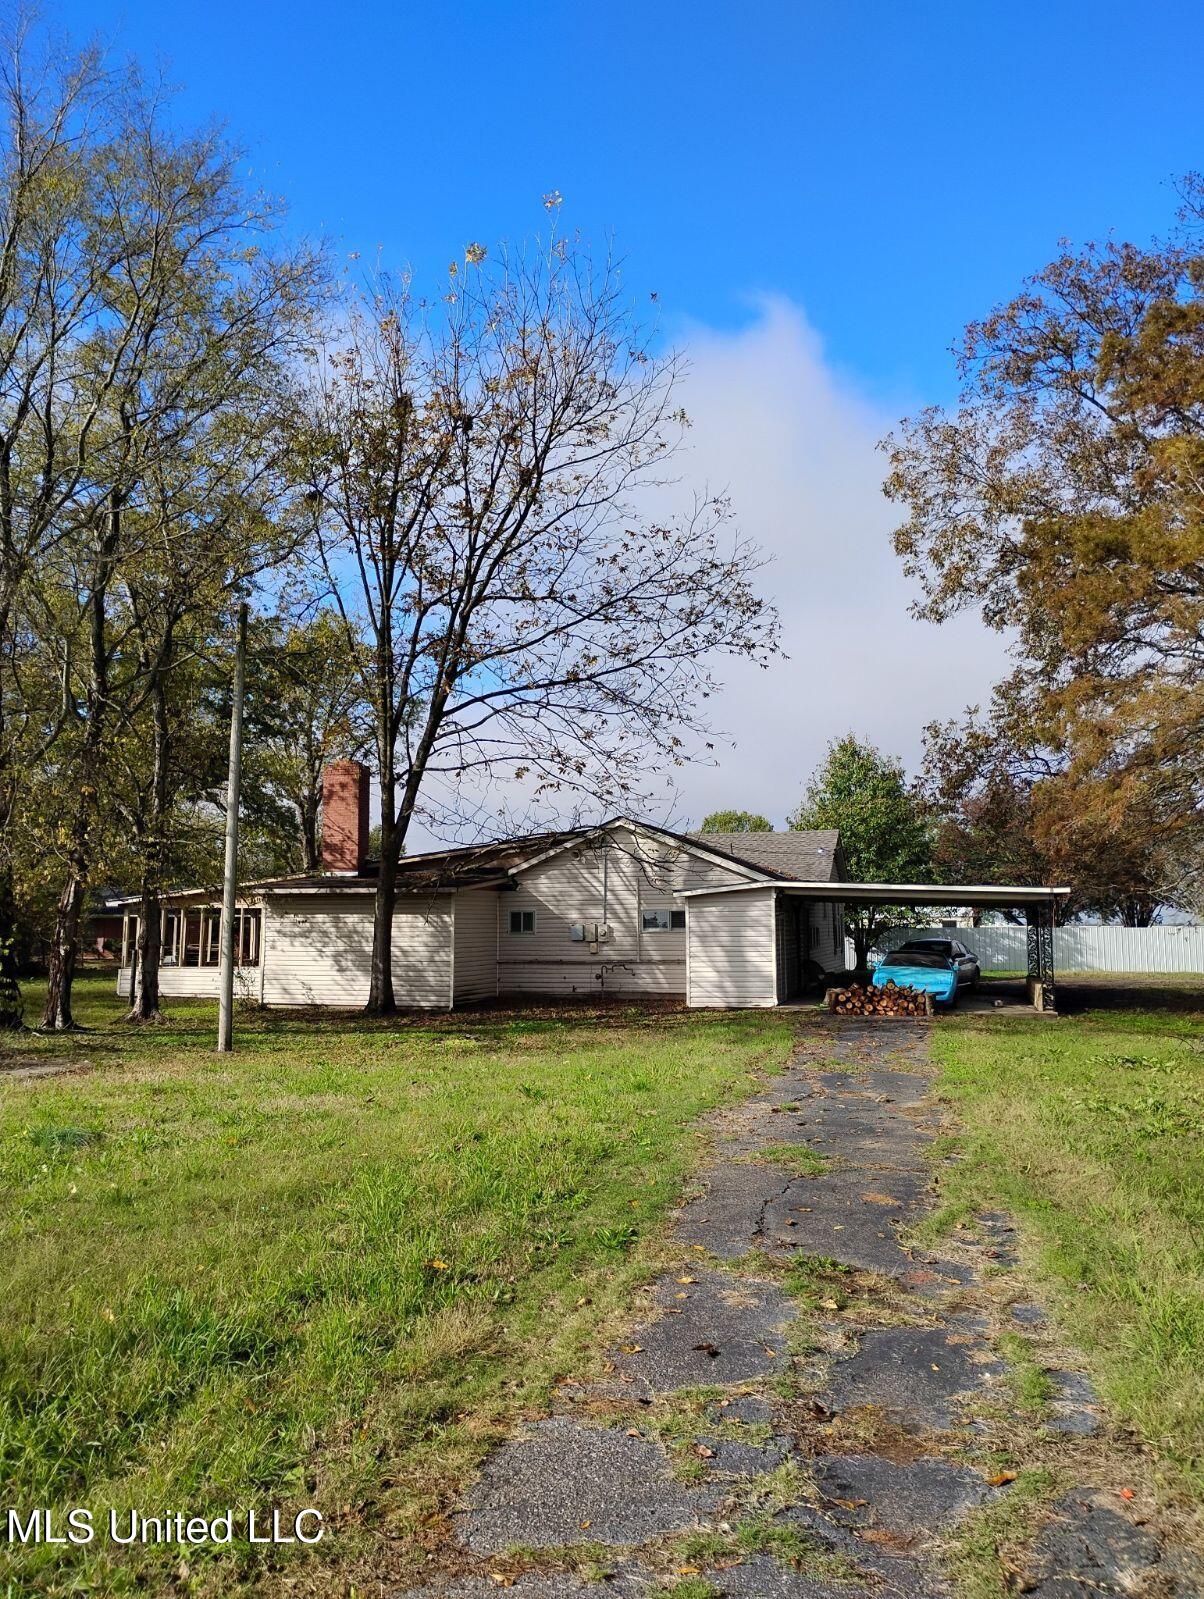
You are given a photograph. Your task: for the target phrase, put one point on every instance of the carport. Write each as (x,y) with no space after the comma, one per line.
(747,944)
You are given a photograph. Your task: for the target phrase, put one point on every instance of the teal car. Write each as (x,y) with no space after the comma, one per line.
(928,971)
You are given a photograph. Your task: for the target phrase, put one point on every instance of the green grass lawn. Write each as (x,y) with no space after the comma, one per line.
(327,1270)
(1090,1130)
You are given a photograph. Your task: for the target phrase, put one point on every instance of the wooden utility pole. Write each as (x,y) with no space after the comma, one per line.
(225,1004)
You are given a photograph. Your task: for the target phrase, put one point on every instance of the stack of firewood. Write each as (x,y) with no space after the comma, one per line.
(859,1000)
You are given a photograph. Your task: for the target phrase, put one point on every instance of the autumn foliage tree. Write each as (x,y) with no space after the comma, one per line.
(1064,498)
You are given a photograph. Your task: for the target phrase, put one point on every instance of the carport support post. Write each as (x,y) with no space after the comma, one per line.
(1040,918)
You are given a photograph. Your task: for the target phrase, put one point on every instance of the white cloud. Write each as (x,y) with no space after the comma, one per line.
(794,445)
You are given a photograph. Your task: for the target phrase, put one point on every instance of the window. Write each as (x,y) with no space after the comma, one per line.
(656,921)
(522,921)
(193,938)
(677,921)
(211,945)
(169,954)
(246,938)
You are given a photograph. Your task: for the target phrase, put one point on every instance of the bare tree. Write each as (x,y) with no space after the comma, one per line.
(475,468)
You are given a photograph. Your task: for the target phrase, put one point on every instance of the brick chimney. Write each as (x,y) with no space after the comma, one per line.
(344,816)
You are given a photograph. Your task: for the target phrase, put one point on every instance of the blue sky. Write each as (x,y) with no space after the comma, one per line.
(893,168)
(821,195)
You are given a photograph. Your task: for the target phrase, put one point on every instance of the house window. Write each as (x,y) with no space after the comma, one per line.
(656,921)
(170,952)
(193,922)
(677,921)
(246,938)
(211,944)
(522,921)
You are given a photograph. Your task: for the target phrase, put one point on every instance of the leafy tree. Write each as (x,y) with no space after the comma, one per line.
(883,825)
(1012,815)
(472,467)
(736,822)
(174,379)
(1064,498)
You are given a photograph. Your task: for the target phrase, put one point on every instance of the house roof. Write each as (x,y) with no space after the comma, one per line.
(810,856)
(461,867)
(985,894)
(476,865)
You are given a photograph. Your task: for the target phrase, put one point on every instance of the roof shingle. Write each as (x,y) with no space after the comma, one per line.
(803,857)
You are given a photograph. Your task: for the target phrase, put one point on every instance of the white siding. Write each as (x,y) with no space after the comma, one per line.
(733,950)
(318,950)
(827,946)
(474,944)
(197,982)
(611,889)
(1076,949)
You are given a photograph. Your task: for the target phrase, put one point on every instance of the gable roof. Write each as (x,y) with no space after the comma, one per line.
(771,857)
(462,866)
(809,857)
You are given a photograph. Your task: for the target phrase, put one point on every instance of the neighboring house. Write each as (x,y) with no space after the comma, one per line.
(624,907)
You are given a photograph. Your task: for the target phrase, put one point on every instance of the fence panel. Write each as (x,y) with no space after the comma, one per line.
(1076,949)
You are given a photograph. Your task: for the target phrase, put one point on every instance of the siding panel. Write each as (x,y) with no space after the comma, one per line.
(610,888)
(474,941)
(733,948)
(318,951)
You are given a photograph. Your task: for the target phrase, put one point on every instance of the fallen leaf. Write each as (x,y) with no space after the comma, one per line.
(1000,1479)
(632,1349)
(829,1304)
(687,1279)
(687,1571)
(437,1265)
(708,1349)
(583,1523)
(501,1580)
(703,1452)
(1127,1493)
(850,1504)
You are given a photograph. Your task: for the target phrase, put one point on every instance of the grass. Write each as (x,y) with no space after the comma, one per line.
(1090,1130)
(978,1555)
(328,1270)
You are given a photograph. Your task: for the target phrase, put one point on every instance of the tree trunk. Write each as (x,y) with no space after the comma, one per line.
(65,947)
(144,1006)
(57,1016)
(12,1011)
(381,1001)
(308,810)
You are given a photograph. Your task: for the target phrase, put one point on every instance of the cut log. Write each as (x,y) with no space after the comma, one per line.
(865,1000)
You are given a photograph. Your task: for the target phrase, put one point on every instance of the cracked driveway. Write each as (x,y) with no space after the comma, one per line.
(808,1405)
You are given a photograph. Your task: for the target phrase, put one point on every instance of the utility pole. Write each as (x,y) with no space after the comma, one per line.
(225,1003)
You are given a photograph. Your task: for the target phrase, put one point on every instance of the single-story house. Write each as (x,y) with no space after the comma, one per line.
(624,907)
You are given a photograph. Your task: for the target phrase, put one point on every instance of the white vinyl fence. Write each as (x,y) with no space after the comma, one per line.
(1076,949)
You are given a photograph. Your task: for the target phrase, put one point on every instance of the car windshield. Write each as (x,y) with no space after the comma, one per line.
(928,946)
(920,957)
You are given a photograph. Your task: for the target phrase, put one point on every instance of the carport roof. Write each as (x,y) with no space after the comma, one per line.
(984,894)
